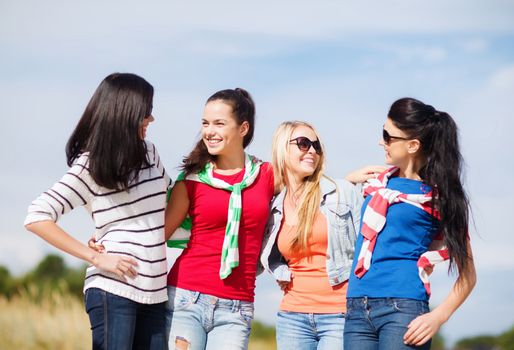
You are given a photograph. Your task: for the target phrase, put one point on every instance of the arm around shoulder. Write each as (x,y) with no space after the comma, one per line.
(177,208)
(363,174)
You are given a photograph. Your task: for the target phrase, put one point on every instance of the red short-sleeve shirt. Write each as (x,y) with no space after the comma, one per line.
(198,267)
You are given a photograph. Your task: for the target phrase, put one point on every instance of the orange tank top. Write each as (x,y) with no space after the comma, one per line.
(309,290)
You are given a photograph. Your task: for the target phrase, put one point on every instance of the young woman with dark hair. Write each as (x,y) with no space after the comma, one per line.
(415,215)
(226,194)
(118,177)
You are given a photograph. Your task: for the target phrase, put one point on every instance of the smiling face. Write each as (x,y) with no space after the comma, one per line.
(144,126)
(300,163)
(220,131)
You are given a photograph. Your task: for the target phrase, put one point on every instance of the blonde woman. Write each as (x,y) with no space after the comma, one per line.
(311,236)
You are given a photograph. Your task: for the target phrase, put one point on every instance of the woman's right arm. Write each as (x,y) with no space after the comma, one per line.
(56,236)
(177,209)
(362,175)
(73,190)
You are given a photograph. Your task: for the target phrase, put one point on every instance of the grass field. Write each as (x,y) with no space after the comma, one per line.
(57,321)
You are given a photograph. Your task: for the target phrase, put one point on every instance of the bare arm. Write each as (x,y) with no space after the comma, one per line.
(424,327)
(177,208)
(52,233)
(362,175)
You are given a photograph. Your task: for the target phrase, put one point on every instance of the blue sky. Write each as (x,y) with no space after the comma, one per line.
(336,64)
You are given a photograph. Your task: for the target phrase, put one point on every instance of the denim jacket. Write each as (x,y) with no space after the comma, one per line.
(341,206)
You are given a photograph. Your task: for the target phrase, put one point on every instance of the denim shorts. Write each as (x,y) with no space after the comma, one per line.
(201,321)
(380,323)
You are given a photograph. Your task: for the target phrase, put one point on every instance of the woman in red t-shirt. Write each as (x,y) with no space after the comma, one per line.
(226,194)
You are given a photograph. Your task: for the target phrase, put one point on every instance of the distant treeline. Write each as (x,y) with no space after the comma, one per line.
(52,274)
(504,341)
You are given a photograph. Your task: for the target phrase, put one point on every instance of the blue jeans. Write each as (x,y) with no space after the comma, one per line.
(120,323)
(305,331)
(380,323)
(198,321)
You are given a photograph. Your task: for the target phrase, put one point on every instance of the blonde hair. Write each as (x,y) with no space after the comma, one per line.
(310,197)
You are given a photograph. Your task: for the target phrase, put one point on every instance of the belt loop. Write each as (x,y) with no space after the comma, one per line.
(365,302)
(236,305)
(194,297)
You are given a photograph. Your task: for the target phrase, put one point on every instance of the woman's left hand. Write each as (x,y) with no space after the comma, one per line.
(422,329)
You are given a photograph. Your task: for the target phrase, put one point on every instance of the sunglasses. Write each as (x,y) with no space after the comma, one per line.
(388,138)
(304,144)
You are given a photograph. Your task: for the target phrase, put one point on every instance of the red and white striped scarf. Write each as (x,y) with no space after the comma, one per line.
(374,219)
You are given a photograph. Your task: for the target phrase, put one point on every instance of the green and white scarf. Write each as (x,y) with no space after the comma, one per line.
(230,250)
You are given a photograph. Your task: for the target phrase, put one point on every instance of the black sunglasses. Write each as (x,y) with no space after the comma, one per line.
(304,144)
(387,138)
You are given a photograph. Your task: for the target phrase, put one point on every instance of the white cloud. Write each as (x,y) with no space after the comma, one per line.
(502,81)
(32,24)
(414,53)
(475,45)
(21,251)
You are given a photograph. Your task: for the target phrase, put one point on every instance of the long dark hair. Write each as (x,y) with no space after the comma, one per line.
(109,130)
(438,135)
(243,110)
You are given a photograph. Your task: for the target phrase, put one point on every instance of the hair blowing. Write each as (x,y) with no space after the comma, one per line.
(109,130)
(243,110)
(438,135)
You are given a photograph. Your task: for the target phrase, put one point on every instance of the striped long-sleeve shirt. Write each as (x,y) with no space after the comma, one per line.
(127,222)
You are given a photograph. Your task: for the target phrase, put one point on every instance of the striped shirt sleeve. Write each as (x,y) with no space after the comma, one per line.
(155,159)
(73,190)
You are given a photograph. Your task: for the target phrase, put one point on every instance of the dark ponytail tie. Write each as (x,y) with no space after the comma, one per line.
(435,115)
(243,93)
(431,109)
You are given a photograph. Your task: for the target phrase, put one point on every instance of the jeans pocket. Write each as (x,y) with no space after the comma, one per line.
(247,312)
(178,299)
(351,310)
(410,306)
(94,298)
(85,297)
(349,314)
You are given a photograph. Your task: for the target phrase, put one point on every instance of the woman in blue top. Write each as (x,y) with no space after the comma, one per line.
(408,208)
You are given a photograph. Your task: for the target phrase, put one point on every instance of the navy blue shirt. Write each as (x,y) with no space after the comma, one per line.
(406,235)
